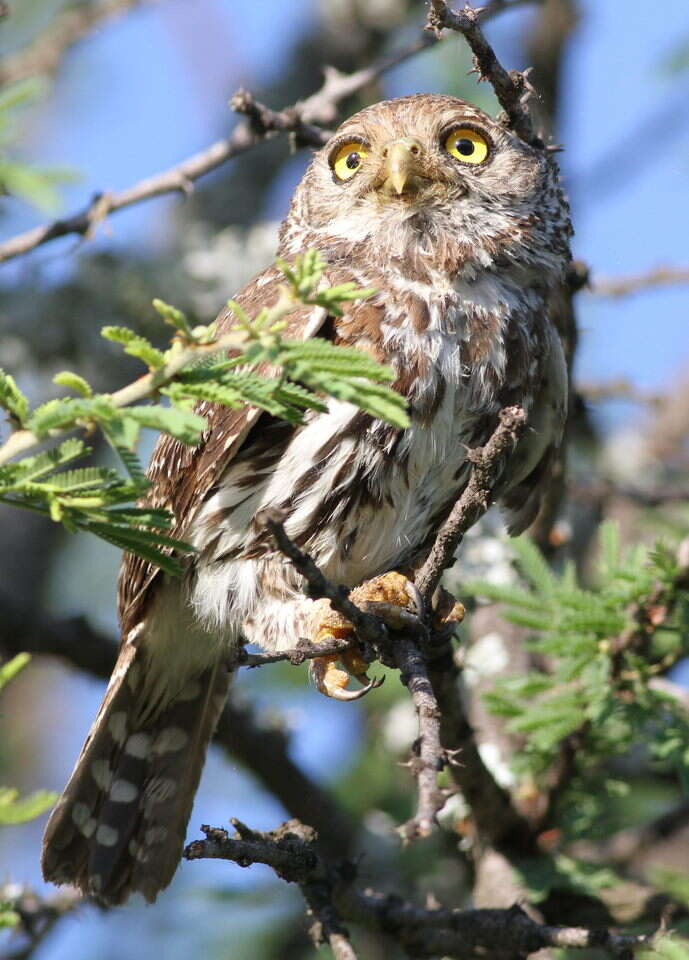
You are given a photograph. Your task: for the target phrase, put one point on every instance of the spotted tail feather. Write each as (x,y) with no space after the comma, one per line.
(120,824)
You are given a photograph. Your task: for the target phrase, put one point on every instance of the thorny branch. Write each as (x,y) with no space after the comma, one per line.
(464,934)
(511,88)
(487,464)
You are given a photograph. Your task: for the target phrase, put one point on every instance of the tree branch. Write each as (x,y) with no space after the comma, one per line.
(487,464)
(501,934)
(512,89)
(636,283)
(262,124)
(404,651)
(44,54)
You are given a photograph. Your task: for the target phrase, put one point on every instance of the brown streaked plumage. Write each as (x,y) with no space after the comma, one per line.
(464,250)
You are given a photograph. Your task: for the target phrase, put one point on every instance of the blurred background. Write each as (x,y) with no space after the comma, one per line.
(140,91)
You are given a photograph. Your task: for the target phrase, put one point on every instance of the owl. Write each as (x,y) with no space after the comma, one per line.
(463,232)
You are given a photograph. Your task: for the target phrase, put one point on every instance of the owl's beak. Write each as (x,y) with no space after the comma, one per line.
(400,165)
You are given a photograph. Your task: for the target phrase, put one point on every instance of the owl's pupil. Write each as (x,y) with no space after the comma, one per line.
(353,160)
(465,147)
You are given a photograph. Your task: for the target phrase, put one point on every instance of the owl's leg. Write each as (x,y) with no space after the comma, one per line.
(393,598)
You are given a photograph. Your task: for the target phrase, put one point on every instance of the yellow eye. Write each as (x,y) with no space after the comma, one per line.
(467,145)
(347,159)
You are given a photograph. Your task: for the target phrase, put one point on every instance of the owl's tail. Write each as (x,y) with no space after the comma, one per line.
(120,824)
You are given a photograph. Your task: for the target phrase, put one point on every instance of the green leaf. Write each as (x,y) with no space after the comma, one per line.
(10,669)
(22,93)
(13,810)
(73,382)
(12,399)
(61,414)
(182,424)
(143,543)
(666,947)
(135,345)
(37,187)
(8,916)
(174,317)
(672,882)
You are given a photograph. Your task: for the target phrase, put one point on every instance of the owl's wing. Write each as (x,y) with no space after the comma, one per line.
(530,467)
(180,474)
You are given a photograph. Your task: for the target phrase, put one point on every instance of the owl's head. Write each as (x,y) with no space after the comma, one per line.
(420,169)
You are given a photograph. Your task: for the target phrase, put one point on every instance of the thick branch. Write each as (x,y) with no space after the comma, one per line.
(512,89)
(501,934)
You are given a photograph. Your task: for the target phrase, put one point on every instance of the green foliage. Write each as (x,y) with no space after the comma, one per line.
(564,873)
(283,377)
(12,399)
(8,916)
(666,948)
(37,187)
(602,649)
(12,809)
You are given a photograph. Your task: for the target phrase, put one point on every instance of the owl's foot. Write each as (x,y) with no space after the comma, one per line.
(391,597)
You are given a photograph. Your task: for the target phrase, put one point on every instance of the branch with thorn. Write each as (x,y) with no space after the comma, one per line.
(332,895)
(512,88)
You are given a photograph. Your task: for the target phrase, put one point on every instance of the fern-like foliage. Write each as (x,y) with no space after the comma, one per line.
(194,368)
(602,646)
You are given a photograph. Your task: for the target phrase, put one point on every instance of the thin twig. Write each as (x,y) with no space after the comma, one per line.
(428,756)
(296,655)
(44,54)
(476,498)
(511,88)
(637,283)
(367,627)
